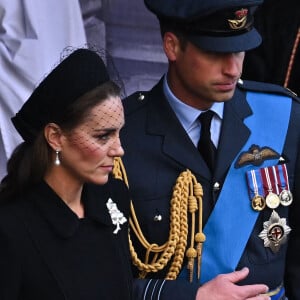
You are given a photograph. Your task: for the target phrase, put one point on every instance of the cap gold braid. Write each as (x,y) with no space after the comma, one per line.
(187,197)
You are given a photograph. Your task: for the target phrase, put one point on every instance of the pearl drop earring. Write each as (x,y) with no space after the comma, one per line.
(57,160)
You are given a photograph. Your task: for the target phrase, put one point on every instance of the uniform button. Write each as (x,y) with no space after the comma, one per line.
(281,159)
(141,97)
(157,218)
(240,81)
(216,186)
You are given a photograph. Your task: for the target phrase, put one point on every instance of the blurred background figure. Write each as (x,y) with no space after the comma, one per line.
(32,36)
(277,59)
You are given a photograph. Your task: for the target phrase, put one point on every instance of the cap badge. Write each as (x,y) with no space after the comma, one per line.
(240,19)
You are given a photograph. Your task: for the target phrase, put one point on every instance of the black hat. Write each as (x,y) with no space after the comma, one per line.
(212,25)
(77,74)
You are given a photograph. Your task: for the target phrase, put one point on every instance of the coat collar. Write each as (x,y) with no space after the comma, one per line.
(161,120)
(61,218)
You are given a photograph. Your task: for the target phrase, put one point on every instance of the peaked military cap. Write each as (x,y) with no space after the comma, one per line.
(77,74)
(212,25)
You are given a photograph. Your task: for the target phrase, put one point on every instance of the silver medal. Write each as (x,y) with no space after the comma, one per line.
(272,200)
(286,197)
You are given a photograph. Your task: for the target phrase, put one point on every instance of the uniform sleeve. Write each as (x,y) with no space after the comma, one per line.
(159,289)
(292,276)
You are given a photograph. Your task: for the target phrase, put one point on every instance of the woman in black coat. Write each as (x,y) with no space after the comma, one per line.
(63,219)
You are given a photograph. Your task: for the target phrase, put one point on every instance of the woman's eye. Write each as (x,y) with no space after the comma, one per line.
(103,137)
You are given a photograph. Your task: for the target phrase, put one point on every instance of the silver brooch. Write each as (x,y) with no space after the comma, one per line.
(275,232)
(117,217)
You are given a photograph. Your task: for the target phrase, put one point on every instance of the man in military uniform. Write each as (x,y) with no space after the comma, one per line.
(202,148)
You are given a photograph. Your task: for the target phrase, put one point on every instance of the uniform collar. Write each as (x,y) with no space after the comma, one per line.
(185,113)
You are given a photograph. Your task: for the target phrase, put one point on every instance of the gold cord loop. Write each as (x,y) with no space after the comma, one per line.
(186,198)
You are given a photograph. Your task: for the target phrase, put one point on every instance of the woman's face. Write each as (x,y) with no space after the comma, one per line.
(88,151)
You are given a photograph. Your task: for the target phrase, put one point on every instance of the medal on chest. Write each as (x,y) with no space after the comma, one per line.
(275,232)
(269,188)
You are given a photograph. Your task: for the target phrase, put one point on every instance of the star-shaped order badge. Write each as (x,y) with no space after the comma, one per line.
(117,217)
(275,232)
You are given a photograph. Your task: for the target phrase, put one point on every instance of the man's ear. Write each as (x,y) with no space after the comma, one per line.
(53,134)
(171,45)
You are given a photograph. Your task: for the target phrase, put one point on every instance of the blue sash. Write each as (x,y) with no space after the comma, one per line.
(232,220)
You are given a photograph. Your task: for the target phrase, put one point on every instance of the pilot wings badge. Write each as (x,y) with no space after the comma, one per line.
(256,156)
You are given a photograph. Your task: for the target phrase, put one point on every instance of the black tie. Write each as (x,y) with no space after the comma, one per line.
(205,145)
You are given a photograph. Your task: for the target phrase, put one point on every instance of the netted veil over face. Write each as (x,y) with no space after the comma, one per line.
(79,71)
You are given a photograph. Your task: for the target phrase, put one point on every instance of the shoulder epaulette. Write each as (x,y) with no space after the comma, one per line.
(266,88)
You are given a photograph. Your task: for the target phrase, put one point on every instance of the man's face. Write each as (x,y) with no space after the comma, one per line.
(200,78)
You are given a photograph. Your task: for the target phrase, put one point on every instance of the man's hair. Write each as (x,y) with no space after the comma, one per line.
(171,26)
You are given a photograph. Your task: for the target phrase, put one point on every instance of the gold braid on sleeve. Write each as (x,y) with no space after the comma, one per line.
(186,200)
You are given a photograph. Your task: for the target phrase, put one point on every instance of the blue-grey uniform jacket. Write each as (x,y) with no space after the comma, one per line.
(157,150)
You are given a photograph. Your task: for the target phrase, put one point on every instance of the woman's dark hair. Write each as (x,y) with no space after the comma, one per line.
(30,160)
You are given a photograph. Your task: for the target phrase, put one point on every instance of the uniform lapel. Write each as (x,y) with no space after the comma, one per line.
(234,133)
(177,145)
(161,120)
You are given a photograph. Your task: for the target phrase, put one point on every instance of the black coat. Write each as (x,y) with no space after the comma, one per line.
(48,253)
(157,150)
(278,22)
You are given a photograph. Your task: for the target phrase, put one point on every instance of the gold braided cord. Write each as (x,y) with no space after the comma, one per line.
(200,236)
(186,198)
(179,205)
(292,58)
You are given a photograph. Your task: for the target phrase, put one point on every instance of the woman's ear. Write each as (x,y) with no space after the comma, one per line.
(171,45)
(53,134)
